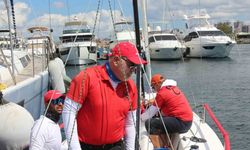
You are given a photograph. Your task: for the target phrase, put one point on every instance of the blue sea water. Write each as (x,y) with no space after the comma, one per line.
(222,83)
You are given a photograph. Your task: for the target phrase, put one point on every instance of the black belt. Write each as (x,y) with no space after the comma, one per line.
(104,146)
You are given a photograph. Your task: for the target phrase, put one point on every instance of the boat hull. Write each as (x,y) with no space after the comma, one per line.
(29,93)
(170,53)
(212,50)
(201,135)
(73,54)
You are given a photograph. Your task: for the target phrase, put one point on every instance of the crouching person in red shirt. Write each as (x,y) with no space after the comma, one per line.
(176,111)
(100,107)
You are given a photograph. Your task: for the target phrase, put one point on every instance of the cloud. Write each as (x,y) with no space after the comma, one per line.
(58,4)
(171,10)
(57,22)
(22,11)
(219,10)
(103,24)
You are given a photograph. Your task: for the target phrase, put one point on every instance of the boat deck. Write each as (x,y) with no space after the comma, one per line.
(28,71)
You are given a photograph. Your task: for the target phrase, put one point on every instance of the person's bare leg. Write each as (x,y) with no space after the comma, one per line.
(155,139)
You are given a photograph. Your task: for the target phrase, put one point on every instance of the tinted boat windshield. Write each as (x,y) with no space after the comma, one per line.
(79,38)
(211,33)
(165,37)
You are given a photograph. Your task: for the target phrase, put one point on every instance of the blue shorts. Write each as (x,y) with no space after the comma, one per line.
(174,125)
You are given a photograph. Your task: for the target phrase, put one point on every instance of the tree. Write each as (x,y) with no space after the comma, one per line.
(225,27)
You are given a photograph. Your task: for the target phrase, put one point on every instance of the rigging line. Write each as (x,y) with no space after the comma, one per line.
(35,14)
(112,18)
(202,61)
(93,31)
(78,107)
(127,25)
(164,126)
(68,10)
(99,20)
(163,13)
(170,16)
(123,68)
(46,110)
(70,50)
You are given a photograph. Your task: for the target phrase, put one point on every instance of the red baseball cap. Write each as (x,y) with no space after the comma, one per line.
(128,50)
(52,94)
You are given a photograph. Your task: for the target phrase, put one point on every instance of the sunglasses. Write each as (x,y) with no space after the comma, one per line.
(57,101)
(130,65)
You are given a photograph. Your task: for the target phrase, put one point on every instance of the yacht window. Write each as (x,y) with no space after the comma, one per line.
(211,33)
(24,61)
(79,38)
(28,58)
(187,38)
(151,39)
(190,36)
(92,49)
(76,31)
(193,35)
(165,37)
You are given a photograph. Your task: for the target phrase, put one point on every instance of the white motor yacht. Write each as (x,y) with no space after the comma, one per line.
(38,39)
(164,46)
(77,46)
(205,40)
(124,31)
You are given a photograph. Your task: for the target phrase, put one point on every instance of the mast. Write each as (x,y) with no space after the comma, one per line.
(138,72)
(145,35)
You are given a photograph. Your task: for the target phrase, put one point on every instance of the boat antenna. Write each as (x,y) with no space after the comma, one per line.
(68,11)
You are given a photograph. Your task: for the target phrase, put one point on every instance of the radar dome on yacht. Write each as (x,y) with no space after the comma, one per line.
(149,29)
(158,28)
(15,126)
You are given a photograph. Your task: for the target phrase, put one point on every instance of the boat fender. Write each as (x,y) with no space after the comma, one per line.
(2,86)
(187,52)
(15,127)
(56,71)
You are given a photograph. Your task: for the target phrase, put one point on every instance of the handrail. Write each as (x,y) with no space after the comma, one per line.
(217,122)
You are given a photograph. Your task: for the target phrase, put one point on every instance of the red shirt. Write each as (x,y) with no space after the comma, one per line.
(101,119)
(173,102)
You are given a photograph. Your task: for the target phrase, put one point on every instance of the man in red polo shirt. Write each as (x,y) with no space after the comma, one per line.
(176,111)
(103,100)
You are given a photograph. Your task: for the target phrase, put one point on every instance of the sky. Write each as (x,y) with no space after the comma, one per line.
(54,13)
